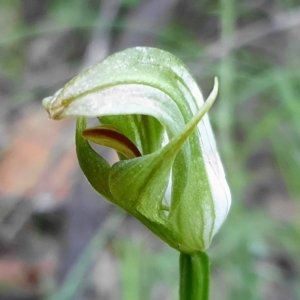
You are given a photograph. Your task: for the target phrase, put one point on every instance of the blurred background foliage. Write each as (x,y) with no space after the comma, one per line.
(97,252)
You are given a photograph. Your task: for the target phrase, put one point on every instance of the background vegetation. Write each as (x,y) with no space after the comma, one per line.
(65,243)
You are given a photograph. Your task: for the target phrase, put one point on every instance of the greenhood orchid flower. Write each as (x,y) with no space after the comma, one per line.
(152,113)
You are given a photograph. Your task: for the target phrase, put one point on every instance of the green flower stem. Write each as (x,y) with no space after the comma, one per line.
(194,276)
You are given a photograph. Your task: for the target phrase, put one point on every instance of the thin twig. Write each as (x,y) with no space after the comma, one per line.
(251,33)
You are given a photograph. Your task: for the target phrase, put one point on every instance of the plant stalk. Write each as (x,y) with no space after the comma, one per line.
(194,276)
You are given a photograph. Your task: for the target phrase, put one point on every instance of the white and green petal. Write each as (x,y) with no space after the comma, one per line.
(151,111)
